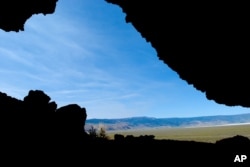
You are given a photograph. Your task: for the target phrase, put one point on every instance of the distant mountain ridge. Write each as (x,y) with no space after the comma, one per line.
(150,122)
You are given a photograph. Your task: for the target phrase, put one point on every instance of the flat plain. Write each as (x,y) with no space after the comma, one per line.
(209,134)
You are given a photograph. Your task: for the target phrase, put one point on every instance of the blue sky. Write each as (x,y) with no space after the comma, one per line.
(86,54)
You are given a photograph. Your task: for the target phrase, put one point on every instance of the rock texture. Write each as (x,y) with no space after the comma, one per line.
(14,13)
(204,42)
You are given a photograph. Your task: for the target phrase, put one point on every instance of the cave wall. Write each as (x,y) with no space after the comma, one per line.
(204,42)
(14,13)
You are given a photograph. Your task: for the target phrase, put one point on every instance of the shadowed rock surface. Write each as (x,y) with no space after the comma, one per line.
(74,116)
(35,123)
(204,42)
(34,131)
(14,13)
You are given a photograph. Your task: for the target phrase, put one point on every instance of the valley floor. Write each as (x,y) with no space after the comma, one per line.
(209,134)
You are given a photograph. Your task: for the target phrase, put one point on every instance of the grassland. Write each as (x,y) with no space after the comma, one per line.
(200,134)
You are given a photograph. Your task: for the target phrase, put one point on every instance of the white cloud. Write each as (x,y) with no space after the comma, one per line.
(10,55)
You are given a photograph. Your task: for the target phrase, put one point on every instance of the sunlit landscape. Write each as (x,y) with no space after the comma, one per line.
(199,134)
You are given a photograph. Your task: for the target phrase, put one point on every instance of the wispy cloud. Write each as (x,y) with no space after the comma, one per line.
(86,54)
(10,55)
(76,60)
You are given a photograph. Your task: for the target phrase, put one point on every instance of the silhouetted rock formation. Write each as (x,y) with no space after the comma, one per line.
(236,141)
(14,13)
(144,150)
(35,130)
(204,42)
(38,101)
(36,123)
(232,146)
(70,121)
(9,104)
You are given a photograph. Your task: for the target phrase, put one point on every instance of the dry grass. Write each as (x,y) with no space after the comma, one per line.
(201,134)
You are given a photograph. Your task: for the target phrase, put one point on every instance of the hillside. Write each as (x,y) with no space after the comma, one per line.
(149,122)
